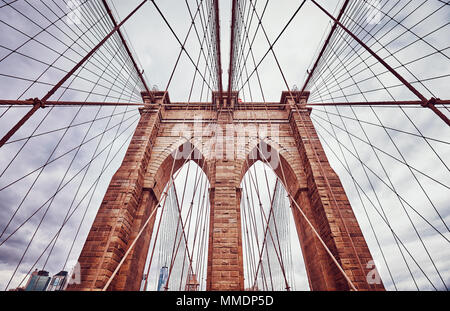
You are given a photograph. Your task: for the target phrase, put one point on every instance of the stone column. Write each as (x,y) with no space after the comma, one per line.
(325,203)
(225,262)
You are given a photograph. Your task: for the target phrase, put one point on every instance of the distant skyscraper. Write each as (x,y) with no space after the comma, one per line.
(58,282)
(38,282)
(35,272)
(163,275)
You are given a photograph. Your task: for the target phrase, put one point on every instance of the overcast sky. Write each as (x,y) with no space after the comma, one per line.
(156,50)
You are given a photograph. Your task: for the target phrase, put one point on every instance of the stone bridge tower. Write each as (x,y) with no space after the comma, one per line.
(213,133)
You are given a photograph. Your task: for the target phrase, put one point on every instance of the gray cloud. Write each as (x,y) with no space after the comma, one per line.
(157,51)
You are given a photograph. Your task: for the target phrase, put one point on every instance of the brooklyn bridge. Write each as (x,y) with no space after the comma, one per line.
(213,145)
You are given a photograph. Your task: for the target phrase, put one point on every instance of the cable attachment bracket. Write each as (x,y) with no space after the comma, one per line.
(431,103)
(37,102)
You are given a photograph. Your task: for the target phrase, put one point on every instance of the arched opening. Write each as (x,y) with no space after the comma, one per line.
(177,257)
(271,250)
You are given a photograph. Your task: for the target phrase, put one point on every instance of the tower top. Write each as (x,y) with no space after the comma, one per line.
(297,96)
(225,100)
(155,97)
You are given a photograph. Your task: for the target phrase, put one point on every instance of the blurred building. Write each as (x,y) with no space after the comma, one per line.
(38,281)
(163,275)
(35,272)
(58,282)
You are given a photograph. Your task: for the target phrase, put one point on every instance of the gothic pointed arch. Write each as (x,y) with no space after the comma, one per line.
(170,160)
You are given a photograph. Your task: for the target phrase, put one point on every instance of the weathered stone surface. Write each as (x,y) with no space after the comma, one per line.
(224,142)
